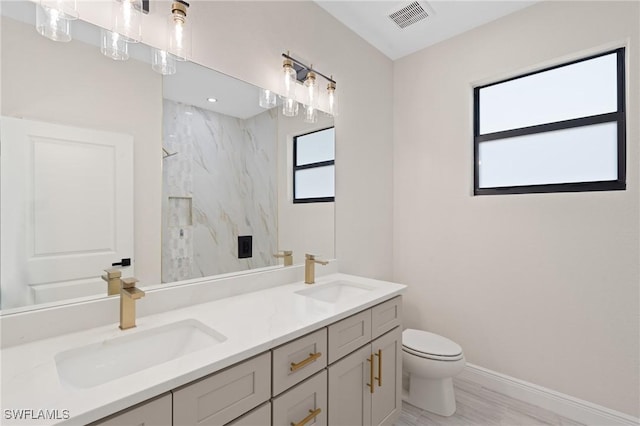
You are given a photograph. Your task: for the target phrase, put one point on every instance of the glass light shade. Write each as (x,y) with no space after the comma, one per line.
(179,33)
(162,62)
(310,114)
(290,107)
(113,45)
(126,18)
(311,90)
(267,99)
(67,9)
(332,99)
(289,80)
(51,24)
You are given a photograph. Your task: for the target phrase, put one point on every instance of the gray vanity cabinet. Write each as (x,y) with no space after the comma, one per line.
(357,400)
(305,403)
(224,396)
(260,416)
(156,412)
(365,386)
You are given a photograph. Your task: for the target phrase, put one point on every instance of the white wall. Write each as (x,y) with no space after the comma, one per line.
(541,287)
(304,227)
(48,81)
(245,39)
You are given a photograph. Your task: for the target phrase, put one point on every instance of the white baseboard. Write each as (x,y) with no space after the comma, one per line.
(562,404)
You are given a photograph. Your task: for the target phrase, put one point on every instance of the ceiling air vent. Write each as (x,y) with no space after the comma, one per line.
(410,14)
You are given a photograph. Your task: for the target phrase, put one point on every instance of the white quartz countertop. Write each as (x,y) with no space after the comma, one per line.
(252,323)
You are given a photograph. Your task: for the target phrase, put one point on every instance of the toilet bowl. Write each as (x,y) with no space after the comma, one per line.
(431,362)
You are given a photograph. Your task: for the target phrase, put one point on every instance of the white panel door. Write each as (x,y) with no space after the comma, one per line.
(66,209)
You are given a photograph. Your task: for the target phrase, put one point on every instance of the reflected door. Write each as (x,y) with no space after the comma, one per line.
(66,210)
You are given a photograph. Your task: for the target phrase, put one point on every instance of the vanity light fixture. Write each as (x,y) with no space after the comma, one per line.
(179,31)
(267,99)
(162,62)
(113,45)
(297,72)
(290,107)
(126,19)
(53,19)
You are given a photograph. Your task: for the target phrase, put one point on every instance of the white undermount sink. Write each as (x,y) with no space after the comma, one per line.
(102,362)
(336,291)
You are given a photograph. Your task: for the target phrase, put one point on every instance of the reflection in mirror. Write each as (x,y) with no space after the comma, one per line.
(220,178)
(104,161)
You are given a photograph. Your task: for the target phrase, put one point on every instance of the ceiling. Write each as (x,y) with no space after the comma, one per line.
(370,20)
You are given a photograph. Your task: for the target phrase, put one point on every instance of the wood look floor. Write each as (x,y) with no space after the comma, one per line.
(480,406)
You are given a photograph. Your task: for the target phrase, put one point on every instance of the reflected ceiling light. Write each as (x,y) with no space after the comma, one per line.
(126,19)
(162,62)
(212,100)
(179,31)
(53,19)
(267,99)
(113,45)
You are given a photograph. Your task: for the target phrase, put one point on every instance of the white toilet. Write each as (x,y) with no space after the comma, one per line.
(431,362)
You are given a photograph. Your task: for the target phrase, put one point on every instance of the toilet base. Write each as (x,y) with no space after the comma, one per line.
(433,395)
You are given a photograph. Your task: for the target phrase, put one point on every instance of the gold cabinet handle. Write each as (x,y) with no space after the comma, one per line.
(379,378)
(371,385)
(312,415)
(303,363)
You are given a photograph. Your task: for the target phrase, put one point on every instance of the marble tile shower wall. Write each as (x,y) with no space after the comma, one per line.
(221,184)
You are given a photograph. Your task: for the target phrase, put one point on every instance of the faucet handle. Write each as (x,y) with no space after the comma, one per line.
(287,255)
(129,282)
(112,273)
(312,257)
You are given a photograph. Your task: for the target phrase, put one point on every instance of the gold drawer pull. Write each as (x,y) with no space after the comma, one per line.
(379,378)
(303,363)
(312,415)
(371,385)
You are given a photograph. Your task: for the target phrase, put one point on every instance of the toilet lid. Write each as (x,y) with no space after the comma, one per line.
(430,343)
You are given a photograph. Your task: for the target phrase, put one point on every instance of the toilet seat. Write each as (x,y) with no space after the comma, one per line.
(430,346)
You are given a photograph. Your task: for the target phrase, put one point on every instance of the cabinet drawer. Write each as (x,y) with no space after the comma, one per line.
(224,396)
(297,360)
(349,334)
(307,401)
(386,316)
(261,416)
(156,412)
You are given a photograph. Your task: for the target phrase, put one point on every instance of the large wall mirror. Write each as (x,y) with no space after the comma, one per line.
(104,161)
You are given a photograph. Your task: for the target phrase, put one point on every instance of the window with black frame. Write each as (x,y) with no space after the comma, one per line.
(560,129)
(314,167)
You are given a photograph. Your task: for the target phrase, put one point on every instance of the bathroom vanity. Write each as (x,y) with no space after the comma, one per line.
(328,353)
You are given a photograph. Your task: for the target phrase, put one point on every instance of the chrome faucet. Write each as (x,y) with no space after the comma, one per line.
(113,279)
(287,255)
(310,268)
(129,293)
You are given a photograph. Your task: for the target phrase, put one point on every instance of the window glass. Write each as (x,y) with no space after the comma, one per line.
(582,154)
(577,90)
(315,147)
(317,182)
